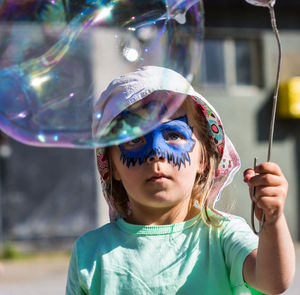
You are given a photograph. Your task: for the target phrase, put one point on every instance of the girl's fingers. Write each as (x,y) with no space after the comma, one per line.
(270,190)
(265,174)
(248,174)
(267,191)
(268,167)
(267,180)
(263,169)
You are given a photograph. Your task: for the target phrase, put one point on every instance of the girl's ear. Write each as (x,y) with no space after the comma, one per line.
(202,167)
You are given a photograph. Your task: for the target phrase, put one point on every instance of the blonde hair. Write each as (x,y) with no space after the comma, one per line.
(203,181)
(210,159)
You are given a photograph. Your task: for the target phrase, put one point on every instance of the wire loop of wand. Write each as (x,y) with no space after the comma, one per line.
(273,115)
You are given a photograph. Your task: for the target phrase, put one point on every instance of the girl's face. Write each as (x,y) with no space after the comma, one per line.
(158,170)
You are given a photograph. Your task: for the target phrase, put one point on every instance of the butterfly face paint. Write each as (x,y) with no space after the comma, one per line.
(171,140)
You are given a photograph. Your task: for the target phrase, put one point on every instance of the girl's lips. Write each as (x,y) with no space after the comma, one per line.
(158,178)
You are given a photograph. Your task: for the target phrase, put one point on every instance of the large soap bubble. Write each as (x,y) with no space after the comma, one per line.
(57,56)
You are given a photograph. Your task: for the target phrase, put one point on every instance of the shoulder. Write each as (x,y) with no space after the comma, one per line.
(230,225)
(94,244)
(233,220)
(236,231)
(97,238)
(225,221)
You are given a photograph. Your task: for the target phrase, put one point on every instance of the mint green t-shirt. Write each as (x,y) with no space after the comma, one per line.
(184,258)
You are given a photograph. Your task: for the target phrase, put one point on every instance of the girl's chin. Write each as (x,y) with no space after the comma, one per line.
(159,197)
(161,200)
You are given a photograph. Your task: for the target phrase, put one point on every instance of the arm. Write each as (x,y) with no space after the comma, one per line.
(271,267)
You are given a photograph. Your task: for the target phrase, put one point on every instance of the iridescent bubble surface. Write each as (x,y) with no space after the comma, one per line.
(57,56)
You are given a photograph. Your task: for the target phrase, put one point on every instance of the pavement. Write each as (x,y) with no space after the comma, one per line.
(41,275)
(47,274)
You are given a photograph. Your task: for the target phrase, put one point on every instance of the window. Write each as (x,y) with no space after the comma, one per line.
(212,69)
(230,62)
(243,62)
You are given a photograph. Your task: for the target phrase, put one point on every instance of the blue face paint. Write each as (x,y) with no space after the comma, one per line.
(171,140)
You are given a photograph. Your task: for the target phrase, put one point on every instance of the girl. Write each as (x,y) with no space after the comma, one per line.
(165,237)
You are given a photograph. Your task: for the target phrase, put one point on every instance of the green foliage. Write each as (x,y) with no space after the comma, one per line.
(9,251)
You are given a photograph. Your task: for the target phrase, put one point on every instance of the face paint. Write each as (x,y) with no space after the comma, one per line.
(171,140)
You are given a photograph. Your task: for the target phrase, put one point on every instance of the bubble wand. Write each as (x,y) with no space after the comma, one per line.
(269,4)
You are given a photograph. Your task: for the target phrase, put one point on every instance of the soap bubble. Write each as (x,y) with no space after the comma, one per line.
(57,56)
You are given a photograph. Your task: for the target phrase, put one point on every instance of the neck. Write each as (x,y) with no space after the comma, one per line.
(161,216)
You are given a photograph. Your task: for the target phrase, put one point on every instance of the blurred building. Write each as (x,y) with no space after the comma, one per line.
(238,76)
(50,196)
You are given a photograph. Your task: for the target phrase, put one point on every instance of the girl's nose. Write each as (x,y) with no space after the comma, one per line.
(155,158)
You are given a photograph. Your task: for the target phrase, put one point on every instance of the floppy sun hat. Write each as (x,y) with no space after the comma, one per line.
(133,87)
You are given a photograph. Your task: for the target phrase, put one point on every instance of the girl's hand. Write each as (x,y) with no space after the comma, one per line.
(270,190)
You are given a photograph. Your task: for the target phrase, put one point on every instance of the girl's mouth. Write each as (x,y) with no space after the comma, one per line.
(158,178)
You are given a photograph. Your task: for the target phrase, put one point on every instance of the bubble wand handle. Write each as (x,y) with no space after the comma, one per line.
(275,96)
(273,115)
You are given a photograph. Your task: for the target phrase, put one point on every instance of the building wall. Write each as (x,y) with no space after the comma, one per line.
(246,110)
(47,193)
(246,113)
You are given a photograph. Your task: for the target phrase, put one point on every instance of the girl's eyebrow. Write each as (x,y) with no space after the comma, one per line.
(181,118)
(179,124)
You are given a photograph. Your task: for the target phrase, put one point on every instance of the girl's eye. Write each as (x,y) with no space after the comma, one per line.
(174,136)
(136,141)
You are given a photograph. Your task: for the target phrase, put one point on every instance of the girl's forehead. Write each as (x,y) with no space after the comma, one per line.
(179,113)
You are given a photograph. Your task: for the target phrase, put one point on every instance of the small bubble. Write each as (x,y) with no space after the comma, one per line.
(41,138)
(131,54)
(22,115)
